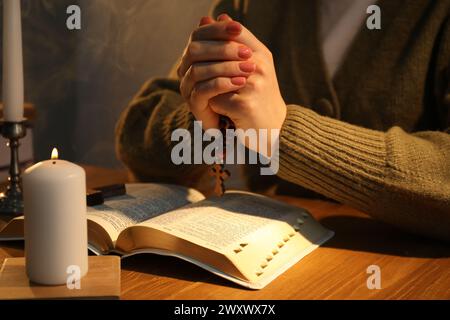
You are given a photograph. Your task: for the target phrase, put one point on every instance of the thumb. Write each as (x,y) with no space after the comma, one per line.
(222,104)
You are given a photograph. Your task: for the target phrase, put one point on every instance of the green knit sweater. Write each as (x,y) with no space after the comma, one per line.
(375,138)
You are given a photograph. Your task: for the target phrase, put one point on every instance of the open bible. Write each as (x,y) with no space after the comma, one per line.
(246,238)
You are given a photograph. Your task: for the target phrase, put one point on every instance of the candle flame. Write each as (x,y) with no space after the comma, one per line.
(55,154)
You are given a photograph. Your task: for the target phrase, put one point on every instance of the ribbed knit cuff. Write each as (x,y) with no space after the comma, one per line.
(341,161)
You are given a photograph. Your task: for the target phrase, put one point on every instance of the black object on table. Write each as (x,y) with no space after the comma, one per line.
(97,196)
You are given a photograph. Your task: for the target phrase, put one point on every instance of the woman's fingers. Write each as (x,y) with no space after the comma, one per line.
(227,104)
(203,91)
(224,17)
(208,51)
(206,90)
(226,30)
(200,72)
(206,20)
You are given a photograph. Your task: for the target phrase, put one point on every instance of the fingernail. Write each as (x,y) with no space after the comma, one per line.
(204,21)
(238,81)
(223,17)
(247,67)
(234,28)
(244,52)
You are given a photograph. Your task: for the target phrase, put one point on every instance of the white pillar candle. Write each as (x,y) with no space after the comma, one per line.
(12,62)
(55,221)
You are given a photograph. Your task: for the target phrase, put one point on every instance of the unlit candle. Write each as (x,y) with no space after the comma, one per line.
(12,62)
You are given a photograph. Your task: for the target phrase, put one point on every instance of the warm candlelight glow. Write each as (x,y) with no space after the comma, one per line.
(55,154)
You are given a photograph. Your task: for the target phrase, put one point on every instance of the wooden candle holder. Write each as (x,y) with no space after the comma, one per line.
(101,282)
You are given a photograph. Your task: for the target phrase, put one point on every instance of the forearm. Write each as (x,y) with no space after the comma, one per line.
(143,135)
(397,177)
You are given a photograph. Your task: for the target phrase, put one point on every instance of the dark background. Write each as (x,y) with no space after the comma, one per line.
(80,81)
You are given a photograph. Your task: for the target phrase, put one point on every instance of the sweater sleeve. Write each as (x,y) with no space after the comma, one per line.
(398,177)
(144,130)
(403,179)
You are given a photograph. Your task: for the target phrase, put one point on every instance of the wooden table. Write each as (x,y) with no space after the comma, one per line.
(411,267)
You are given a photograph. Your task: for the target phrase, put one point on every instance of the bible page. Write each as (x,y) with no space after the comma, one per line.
(220,223)
(142,202)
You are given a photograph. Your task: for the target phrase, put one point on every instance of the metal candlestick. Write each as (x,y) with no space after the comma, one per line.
(11,201)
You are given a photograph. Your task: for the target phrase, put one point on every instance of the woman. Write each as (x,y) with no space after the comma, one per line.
(364,116)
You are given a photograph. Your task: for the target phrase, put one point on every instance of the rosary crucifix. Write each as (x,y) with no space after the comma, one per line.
(218,170)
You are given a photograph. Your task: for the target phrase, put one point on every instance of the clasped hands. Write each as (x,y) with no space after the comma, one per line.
(225,70)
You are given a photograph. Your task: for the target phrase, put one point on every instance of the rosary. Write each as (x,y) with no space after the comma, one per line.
(218,170)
